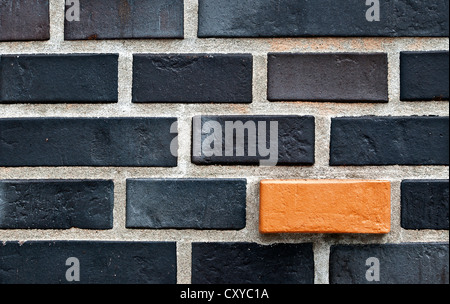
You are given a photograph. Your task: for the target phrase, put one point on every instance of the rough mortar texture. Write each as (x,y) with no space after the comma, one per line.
(259,48)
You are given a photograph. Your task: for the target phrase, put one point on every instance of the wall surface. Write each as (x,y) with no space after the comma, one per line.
(388,142)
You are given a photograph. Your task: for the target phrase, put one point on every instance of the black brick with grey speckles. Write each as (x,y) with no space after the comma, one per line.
(56,204)
(248,263)
(411,140)
(118,19)
(73,78)
(101,142)
(425,204)
(204,203)
(418,263)
(193,78)
(304,18)
(100,262)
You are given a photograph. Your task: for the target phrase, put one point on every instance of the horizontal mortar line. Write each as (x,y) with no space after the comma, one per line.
(90,115)
(256,171)
(233,46)
(209,236)
(233,113)
(81,237)
(98,111)
(367,173)
(250,171)
(420,232)
(324,43)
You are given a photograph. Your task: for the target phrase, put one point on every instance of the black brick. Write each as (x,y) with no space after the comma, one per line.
(75,78)
(186,203)
(121,142)
(193,78)
(296,140)
(24,20)
(303,18)
(119,19)
(58,204)
(246,263)
(424,76)
(425,204)
(349,77)
(399,263)
(100,262)
(412,140)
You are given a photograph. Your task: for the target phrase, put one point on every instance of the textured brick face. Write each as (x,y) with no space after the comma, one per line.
(424,76)
(119,19)
(86,142)
(325,206)
(193,78)
(56,204)
(244,263)
(100,262)
(206,203)
(328,77)
(303,18)
(23,20)
(389,141)
(425,204)
(81,78)
(398,264)
(289,139)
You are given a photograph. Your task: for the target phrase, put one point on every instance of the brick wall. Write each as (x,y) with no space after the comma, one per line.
(106,152)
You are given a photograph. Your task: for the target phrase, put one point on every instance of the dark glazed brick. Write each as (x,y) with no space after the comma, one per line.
(193,78)
(100,262)
(246,263)
(123,19)
(399,263)
(186,203)
(58,204)
(424,76)
(24,20)
(303,18)
(75,78)
(121,142)
(425,204)
(412,140)
(296,140)
(349,77)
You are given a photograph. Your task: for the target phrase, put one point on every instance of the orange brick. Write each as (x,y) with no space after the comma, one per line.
(325,206)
